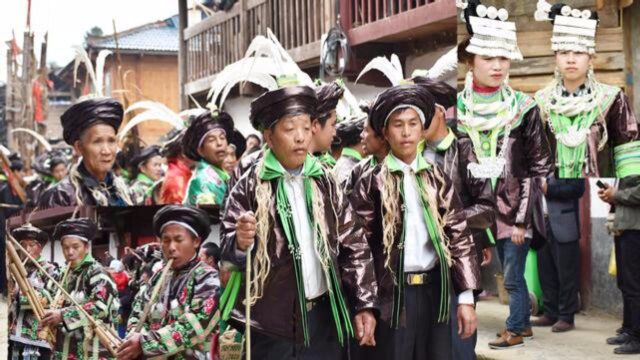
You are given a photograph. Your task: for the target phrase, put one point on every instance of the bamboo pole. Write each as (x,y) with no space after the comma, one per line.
(107,337)
(154,295)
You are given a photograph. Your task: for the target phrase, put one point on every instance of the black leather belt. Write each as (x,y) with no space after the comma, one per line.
(314,302)
(421,278)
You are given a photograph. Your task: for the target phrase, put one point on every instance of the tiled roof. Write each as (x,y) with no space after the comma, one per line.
(159,36)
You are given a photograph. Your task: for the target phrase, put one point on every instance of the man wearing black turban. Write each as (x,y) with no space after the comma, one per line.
(24,330)
(284,207)
(324,126)
(185,308)
(147,169)
(91,286)
(441,146)
(414,221)
(90,126)
(348,135)
(206,141)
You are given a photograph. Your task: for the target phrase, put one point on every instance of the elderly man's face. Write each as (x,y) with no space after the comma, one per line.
(179,244)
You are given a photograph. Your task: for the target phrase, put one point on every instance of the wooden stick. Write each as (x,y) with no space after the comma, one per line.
(247,302)
(107,338)
(154,294)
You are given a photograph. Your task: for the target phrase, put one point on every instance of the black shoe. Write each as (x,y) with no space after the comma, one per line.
(619,339)
(631,347)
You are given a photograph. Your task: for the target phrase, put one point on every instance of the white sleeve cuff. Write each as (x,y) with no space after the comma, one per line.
(466,298)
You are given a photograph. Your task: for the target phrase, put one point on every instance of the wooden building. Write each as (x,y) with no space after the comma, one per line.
(144,64)
(534,40)
(418,31)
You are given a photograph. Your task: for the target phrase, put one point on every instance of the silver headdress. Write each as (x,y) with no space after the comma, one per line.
(573,29)
(491,34)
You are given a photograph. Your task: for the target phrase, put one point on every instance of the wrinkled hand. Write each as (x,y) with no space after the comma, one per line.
(131,348)
(365,328)
(608,195)
(52,318)
(467,320)
(487,256)
(245,231)
(517,237)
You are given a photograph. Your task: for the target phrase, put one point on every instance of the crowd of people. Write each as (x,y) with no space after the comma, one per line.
(357,233)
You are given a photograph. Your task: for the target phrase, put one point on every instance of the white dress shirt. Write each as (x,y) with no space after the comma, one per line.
(313,275)
(419,253)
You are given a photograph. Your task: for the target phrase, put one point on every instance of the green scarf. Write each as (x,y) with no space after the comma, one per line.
(273,170)
(432,229)
(570,160)
(328,160)
(351,153)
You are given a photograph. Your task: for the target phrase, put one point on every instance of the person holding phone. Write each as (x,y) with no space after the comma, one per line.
(625,199)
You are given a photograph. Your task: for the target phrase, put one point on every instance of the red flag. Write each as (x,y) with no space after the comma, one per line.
(15,49)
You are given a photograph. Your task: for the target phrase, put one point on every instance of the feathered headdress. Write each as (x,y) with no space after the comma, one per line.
(491,34)
(157,111)
(573,29)
(266,63)
(96,75)
(430,79)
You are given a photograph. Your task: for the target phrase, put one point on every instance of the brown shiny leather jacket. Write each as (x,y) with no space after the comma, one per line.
(527,156)
(476,194)
(277,312)
(366,202)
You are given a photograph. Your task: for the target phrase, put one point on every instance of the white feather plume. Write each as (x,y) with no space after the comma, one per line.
(390,68)
(445,66)
(151,115)
(37,136)
(264,61)
(83,58)
(100,62)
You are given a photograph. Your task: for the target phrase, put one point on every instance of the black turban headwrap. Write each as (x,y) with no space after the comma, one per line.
(56,160)
(238,140)
(145,154)
(82,227)
(328,96)
(87,113)
(30,232)
(195,218)
(388,100)
(172,144)
(273,105)
(348,132)
(199,128)
(16,163)
(445,94)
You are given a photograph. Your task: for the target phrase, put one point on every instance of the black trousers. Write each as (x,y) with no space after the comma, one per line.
(421,337)
(559,270)
(627,247)
(322,337)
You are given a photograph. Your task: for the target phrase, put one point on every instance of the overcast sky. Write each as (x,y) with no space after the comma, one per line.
(67,21)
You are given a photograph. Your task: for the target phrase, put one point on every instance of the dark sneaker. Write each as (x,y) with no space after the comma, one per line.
(620,339)
(508,340)
(562,326)
(544,320)
(631,347)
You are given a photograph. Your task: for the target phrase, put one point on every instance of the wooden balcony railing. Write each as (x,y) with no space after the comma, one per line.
(224,37)
(392,20)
